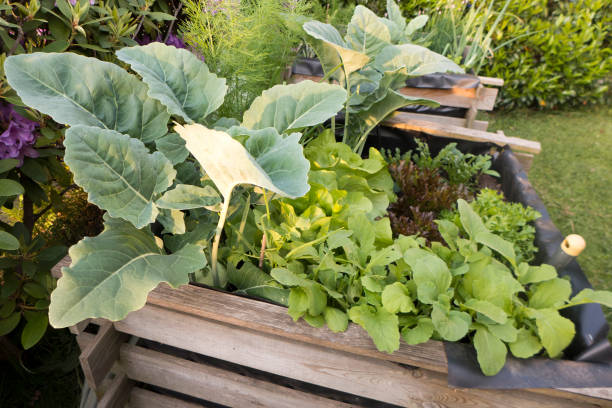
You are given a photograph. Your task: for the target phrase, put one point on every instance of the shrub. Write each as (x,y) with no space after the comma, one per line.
(566,59)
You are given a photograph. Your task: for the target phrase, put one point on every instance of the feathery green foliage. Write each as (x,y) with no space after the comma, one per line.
(246,42)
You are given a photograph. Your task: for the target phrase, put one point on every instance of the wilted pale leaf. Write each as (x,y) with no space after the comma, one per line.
(280,167)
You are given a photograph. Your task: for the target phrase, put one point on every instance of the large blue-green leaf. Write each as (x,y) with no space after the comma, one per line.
(332,50)
(363,122)
(295,106)
(416,60)
(111,274)
(77,90)
(394,13)
(177,78)
(280,165)
(118,172)
(367,32)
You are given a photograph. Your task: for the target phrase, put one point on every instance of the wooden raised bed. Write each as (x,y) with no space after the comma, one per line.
(238,351)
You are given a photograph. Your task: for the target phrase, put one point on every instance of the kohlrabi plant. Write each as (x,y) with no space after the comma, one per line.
(372,62)
(161,207)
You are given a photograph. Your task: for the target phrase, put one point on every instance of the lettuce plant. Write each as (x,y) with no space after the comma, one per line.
(122,153)
(372,62)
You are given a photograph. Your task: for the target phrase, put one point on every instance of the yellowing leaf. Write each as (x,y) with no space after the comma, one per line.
(283,168)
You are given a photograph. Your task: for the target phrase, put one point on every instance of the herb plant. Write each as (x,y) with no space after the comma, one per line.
(115,126)
(511,221)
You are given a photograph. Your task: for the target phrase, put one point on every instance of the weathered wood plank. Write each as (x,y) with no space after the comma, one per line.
(100,354)
(499,82)
(84,339)
(211,383)
(445,120)
(117,393)
(360,375)
(267,318)
(458,97)
(56,271)
(456,132)
(140,398)
(603,393)
(79,327)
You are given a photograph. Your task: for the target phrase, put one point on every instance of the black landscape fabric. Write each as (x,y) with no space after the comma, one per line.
(588,360)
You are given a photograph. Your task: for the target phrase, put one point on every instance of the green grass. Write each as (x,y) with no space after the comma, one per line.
(573,176)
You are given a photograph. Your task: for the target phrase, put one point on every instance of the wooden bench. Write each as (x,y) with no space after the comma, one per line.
(477,99)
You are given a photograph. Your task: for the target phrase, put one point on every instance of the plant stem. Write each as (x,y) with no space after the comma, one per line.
(28,214)
(48,207)
(346,111)
(178,10)
(218,232)
(330,73)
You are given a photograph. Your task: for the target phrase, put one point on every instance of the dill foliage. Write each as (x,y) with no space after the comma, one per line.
(248,42)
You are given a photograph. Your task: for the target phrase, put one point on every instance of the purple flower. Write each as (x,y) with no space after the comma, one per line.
(17,140)
(173,39)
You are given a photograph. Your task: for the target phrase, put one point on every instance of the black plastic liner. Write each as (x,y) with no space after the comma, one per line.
(312,67)
(588,359)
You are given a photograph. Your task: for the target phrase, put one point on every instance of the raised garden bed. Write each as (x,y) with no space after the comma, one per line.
(237,351)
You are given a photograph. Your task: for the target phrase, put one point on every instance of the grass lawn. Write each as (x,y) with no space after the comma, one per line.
(573,175)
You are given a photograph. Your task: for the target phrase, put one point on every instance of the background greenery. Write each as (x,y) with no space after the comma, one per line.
(560,52)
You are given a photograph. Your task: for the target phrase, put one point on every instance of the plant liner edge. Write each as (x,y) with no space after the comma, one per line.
(588,359)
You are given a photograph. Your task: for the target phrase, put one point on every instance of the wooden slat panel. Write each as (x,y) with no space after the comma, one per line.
(84,339)
(79,327)
(499,82)
(100,355)
(456,132)
(140,398)
(268,318)
(117,393)
(359,375)
(211,383)
(56,271)
(445,120)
